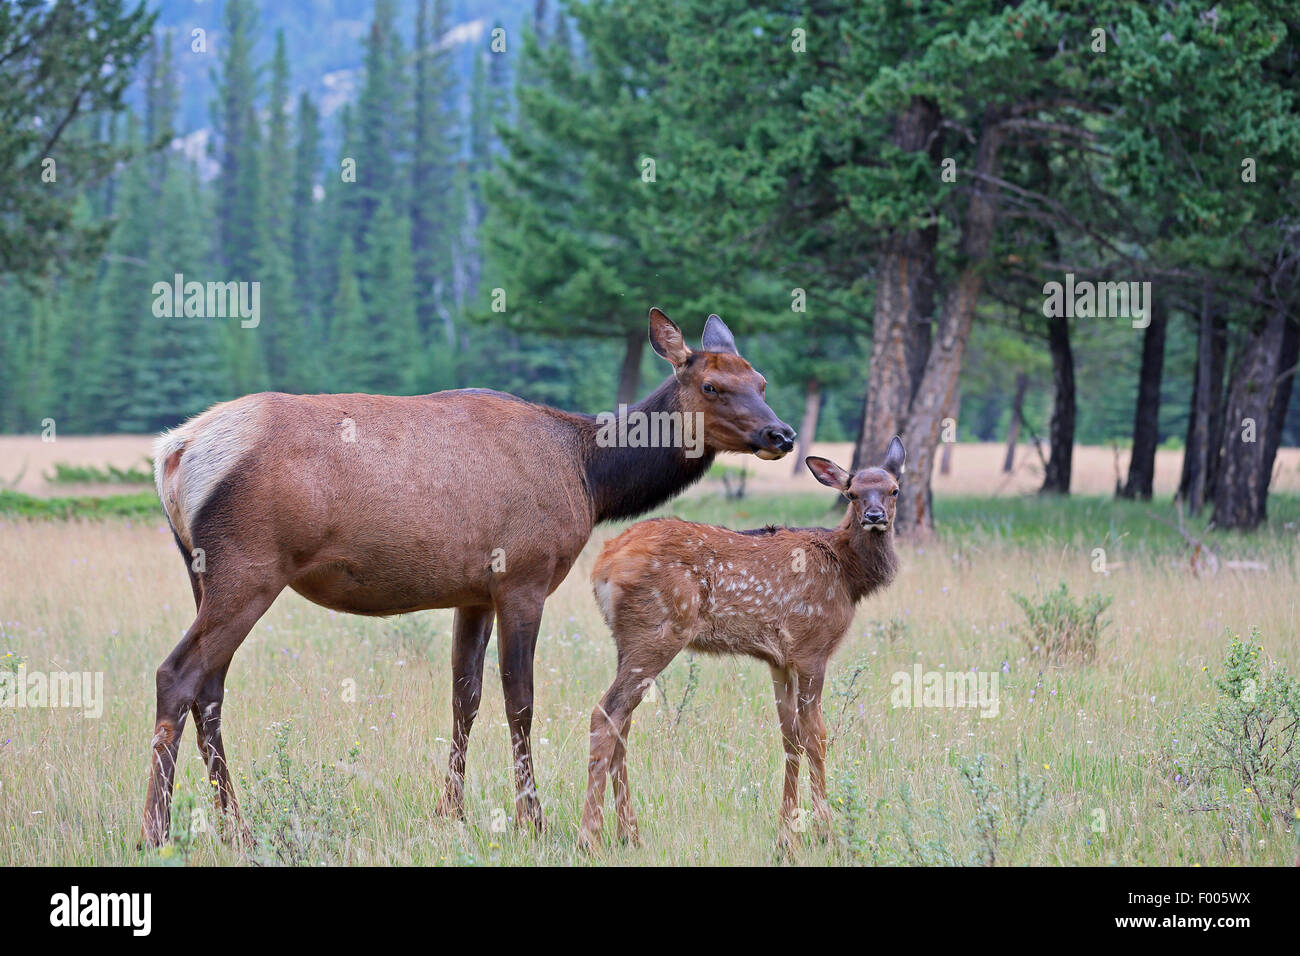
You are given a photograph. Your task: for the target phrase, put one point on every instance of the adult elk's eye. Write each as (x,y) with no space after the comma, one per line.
(708,389)
(894,493)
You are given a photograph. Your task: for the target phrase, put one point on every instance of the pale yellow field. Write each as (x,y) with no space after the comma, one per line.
(112,597)
(976,467)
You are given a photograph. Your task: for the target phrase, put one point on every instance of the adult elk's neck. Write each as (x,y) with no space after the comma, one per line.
(636,472)
(867,557)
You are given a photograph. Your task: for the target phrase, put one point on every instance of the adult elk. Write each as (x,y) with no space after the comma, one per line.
(783,595)
(472,499)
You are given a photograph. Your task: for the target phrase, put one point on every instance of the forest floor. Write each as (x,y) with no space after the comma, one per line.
(329,775)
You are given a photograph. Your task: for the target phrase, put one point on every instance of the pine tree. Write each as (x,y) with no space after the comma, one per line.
(388,290)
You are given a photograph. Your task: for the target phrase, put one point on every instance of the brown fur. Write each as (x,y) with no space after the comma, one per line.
(469,499)
(783,595)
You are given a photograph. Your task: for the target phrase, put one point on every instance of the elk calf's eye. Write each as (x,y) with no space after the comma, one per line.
(894,493)
(709,389)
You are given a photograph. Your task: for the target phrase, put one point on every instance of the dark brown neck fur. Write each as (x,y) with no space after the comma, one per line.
(624,482)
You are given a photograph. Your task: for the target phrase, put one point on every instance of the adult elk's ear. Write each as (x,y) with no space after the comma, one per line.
(666,339)
(895,458)
(717,337)
(828,473)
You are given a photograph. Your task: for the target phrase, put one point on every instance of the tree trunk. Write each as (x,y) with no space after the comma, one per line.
(1288,356)
(1056,478)
(812,407)
(1146,414)
(629,379)
(1205,421)
(905,278)
(1017,419)
(1241,487)
(938,387)
(945,459)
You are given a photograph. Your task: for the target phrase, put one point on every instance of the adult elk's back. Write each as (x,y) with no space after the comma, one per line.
(473,499)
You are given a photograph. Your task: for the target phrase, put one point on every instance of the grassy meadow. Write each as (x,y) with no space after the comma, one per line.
(1079,767)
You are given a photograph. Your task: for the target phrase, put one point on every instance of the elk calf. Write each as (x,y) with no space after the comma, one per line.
(783,595)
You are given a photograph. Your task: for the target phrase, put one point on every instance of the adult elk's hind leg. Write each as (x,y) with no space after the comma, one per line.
(470,634)
(227,612)
(207,724)
(519,619)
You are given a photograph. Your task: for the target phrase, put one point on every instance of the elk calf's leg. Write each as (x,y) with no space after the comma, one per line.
(627,827)
(785,684)
(519,621)
(641,659)
(812,728)
(471,631)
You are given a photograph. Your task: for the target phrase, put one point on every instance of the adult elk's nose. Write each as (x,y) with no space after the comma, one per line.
(874,516)
(779,436)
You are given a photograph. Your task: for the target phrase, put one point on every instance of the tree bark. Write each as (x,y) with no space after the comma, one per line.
(812,407)
(1245,465)
(1146,414)
(1056,478)
(1017,419)
(938,386)
(629,378)
(901,329)
(1205,421)
(945,459)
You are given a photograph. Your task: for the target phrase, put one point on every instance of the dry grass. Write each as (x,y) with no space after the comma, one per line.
(113,597)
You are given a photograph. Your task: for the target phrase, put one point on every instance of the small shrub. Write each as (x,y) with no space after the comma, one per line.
(1062,630)
(298,817)
(999,814)
(1247,745)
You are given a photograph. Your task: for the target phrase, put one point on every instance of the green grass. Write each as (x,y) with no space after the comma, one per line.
(142,504)
(66,474)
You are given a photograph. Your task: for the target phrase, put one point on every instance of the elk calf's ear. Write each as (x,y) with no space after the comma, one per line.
(895,458)
(717,337)
(666,339)
(828,473)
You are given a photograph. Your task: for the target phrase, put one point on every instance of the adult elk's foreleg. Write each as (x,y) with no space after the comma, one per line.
(470,634)
(519,617)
